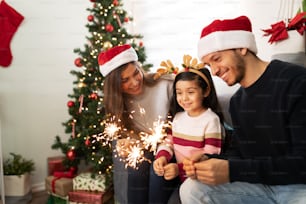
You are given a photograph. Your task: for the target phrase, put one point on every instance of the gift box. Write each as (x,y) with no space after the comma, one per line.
(55,164)
(85,181)
(56,199)
(58,186)
(86,197)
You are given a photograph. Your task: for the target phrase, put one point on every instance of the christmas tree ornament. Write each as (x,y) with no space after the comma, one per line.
(87,142)
(90,18)
(107,45)
(78,62)
(81,85)
(71,154)
(10,20)
(73,129)
(116,16)
(93,96)
(126,19)
(81,100)
(115,2)
(70,104)
(109,27)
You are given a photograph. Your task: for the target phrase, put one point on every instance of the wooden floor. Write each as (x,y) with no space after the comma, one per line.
(39,198)
(42,198)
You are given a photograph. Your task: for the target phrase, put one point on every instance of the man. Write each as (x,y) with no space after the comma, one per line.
(266,161)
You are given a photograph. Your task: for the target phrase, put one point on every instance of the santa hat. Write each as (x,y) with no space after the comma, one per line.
(115,57)
(227,34)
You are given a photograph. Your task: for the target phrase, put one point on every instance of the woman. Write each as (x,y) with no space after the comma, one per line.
(136,99)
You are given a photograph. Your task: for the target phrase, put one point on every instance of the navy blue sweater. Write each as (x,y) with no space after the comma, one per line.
(269,121)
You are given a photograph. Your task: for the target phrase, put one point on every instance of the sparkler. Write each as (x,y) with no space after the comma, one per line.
(151,141)
(110,133)
(132,151)
(135,156)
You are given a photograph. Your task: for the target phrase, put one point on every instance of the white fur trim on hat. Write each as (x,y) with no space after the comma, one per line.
(223,40)
(115,57)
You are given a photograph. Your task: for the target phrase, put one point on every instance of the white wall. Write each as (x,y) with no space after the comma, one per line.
(33,90)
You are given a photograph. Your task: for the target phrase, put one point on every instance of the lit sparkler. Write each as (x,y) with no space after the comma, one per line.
(133,152)
(135,156)
(151,141)
(111,130)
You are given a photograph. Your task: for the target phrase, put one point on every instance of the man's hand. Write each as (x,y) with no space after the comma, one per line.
(212,171)
(208,171)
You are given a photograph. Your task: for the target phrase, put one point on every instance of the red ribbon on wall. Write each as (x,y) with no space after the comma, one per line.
(279,30)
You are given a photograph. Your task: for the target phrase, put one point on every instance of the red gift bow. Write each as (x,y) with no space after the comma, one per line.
(61,174)
(279,30)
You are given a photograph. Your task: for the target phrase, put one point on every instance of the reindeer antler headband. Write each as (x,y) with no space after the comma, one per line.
(189,65)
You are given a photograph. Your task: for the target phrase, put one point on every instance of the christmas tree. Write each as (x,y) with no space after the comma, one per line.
(106,26)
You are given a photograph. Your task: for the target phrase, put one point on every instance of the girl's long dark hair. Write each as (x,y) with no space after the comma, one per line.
(211,101)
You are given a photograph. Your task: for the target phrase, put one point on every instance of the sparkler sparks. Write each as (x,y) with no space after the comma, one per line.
(132,151)
(151,141)
(111,129)
(135,156)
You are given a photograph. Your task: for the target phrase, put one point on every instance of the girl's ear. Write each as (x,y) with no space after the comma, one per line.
(206,93)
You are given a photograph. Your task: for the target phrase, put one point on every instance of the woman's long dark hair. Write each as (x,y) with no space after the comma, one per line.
(211,101)
(115,99)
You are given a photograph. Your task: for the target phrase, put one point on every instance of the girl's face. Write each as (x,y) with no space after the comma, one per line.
(131,80)
(189,96)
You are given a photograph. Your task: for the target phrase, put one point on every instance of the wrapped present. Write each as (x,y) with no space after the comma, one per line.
(85,197)
(56,199)
(59,185)
(55,164)
(85,181)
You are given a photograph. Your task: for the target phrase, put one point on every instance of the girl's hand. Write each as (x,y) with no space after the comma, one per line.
(188,164)
(171,171)
(158,165)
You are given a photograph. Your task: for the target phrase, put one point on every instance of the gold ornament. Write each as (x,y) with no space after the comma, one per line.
(81,84)
(107,45)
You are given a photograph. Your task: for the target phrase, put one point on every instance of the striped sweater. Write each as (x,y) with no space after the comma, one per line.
(190,135)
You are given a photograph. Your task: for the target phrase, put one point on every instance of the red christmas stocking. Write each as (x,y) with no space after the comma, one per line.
(10,20)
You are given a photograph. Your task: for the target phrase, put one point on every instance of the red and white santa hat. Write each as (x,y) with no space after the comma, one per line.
(227,34)
(115,57)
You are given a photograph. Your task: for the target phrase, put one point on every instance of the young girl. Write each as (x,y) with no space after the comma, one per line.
(196,126)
